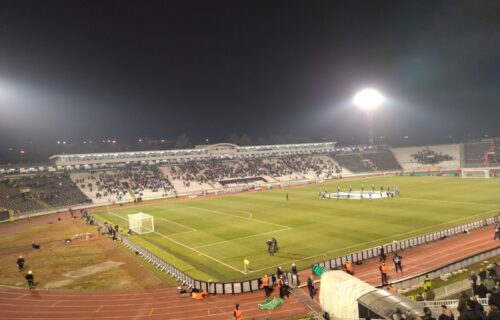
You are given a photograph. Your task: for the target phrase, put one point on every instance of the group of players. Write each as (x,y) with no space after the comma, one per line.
(323,193)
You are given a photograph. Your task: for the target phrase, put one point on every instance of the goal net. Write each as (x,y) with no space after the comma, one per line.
(475,173)
(141,223)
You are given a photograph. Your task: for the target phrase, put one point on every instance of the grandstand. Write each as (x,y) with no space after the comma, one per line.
(107,178)
(445,157)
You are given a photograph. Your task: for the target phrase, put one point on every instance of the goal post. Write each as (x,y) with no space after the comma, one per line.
(141,223)
(475,173)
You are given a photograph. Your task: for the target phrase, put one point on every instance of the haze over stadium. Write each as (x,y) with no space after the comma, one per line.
(153,152)
(265,69)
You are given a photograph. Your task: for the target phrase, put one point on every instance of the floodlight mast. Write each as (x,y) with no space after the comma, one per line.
(369,100)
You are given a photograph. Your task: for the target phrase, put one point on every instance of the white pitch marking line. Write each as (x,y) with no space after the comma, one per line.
(186,246)
(376,240)
(246,237)
(179,224)
(447,201)
(236,216)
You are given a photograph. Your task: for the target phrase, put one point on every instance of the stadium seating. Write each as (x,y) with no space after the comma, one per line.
(40,192)
(124,184)
(445,157)
(368,161)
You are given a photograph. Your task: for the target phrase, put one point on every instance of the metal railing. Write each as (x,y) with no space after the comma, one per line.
(453,303)
(452,288)
(417,280)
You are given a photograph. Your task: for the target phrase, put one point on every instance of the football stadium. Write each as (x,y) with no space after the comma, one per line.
(264,160)
(205,217)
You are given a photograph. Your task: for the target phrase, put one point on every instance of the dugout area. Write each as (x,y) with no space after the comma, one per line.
(347,297)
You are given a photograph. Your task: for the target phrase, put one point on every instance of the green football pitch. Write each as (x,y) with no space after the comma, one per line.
(209,238)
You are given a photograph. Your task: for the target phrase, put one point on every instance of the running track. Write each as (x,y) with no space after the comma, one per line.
(167,304)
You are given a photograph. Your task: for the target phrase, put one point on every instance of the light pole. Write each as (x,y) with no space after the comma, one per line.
(369,100)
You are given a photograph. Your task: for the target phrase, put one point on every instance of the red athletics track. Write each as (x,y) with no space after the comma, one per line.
(427,257)
(167,304)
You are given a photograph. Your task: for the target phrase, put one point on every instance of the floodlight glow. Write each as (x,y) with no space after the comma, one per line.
(368,99)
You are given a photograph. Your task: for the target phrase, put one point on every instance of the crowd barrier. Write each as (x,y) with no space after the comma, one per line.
(335,263)
(416,281)
(449,303)
(339,262)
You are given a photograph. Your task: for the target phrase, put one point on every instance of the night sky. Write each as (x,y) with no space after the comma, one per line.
(79,70)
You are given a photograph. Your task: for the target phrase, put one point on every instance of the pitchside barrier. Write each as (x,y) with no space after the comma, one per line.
(417,281)
(335,263)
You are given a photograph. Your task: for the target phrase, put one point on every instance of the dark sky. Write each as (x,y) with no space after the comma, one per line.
(78,70)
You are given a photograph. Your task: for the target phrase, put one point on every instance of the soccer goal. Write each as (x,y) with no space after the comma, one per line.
(475,173)
(141,223)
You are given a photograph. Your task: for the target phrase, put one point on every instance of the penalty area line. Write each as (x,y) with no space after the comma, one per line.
(240,238)
(236,216)
(187,247)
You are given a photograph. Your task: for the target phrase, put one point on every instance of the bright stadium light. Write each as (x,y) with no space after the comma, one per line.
(368,100)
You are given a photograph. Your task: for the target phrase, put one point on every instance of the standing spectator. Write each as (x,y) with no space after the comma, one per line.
(497,232)
(446,314)
(430,295)
(489,284)
(397,262)
(287,285)
(382,254)
(383,273)
(348,267)
(265,285)
(481,290)
(279,271)
(482,274)
(492,313)
(470,312)
(31,279)
(428,314)
(494,299)
(295,274)
(473,282)
(237,313)
(427,283)
(310,286)
(281,286)
(478,307)
(20,263)
(462,301)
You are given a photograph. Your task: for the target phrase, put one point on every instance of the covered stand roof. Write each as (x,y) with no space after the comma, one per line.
(385,303)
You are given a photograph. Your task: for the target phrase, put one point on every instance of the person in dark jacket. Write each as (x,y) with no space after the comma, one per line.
(462,301)
(446,314)
(20,263)
(310,286)
(31,280)
(494,299)
(481,290)
(428,314)
(382,254)
(470,312)
(295,273)
(492,313)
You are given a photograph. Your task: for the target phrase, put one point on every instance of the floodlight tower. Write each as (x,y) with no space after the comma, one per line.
(369,100)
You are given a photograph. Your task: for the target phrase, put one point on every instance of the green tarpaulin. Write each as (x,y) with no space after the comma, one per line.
(271,304)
